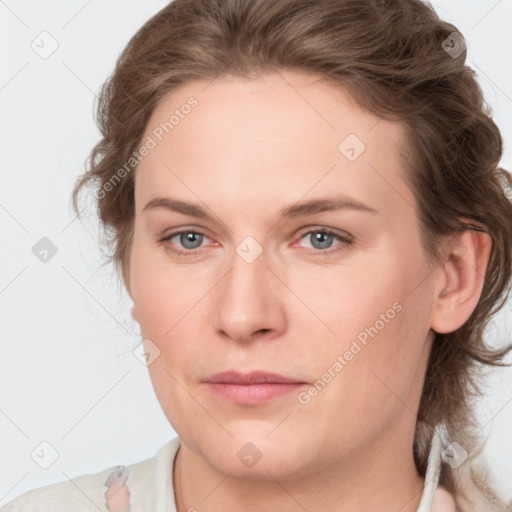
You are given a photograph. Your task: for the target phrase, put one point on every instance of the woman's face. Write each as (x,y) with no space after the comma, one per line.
(299,255)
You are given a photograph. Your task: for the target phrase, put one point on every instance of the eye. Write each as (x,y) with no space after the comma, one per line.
(189,239)
(322,239)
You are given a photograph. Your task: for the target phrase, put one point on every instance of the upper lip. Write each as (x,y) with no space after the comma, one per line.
(255,377)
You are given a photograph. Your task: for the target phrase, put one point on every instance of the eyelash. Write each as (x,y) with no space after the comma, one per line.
(346,241)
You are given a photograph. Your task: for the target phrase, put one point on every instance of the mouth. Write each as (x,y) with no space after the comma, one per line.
(252,388)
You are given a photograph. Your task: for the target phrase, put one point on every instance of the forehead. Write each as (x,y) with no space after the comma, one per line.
(280,136)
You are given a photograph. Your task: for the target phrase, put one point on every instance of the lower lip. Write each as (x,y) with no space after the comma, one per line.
(253,394)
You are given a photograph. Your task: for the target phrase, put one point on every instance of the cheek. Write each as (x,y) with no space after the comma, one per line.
(161,295)
(349,299)
(168,305)
(394,350)
(376,319)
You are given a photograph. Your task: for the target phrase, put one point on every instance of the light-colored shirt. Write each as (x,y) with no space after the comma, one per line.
(151,487)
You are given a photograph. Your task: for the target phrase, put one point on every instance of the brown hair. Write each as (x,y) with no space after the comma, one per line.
(392,56)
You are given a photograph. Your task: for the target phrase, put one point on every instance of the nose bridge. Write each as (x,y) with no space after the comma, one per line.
(248,301)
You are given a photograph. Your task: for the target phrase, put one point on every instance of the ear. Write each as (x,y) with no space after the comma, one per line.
(126,280)
(461,278)
(129,291)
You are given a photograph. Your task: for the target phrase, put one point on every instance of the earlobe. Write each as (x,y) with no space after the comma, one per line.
(461,279)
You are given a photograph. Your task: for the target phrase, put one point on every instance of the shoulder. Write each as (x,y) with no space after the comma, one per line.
(86,493)
(80,494)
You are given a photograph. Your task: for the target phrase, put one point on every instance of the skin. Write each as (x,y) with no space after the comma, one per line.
(247,150)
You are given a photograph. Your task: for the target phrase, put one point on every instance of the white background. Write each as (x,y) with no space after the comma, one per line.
(67,372)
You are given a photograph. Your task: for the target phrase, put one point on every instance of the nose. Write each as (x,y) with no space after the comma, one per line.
(250,300)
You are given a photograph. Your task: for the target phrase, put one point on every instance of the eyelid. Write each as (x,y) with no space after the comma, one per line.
(167,233)
(324,229)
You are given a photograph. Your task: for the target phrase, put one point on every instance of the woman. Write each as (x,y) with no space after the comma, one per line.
(306,210)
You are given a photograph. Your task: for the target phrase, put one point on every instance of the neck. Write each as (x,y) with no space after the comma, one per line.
(380,480)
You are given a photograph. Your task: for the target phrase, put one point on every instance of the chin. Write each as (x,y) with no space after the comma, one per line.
(252,454)
(264,466)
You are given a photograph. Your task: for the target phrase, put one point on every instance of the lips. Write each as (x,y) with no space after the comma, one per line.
(252,388)
(256,377)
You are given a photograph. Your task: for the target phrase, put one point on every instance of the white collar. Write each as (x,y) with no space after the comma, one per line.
(431,475)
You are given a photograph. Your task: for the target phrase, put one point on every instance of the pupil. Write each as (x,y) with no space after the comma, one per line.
(318,240)
(189,238)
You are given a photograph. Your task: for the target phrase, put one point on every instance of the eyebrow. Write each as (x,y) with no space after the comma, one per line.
(310,207)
